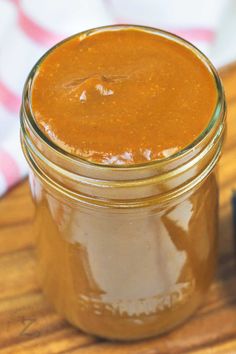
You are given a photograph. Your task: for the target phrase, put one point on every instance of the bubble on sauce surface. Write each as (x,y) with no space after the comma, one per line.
(169,152)
(147,153)
(103,90)
(122,159)
(86,86)
(83,96)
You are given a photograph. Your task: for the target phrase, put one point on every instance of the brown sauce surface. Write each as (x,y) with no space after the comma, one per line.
(122,97)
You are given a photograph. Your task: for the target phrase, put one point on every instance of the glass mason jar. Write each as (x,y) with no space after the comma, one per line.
(125,252)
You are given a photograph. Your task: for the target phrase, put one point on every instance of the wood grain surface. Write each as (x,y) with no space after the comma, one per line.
(28,325)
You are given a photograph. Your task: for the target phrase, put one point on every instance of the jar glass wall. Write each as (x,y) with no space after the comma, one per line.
(125,252)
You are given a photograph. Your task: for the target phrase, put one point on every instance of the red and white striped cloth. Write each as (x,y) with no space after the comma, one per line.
(29,27)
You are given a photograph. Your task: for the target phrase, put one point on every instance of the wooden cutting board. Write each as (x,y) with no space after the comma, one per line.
(28,325)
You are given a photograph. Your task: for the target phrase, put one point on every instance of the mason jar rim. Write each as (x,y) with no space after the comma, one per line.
(215,118)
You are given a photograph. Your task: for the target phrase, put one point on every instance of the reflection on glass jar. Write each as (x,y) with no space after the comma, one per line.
(128,274)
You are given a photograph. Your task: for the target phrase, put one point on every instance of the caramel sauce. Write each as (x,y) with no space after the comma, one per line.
(123,97)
